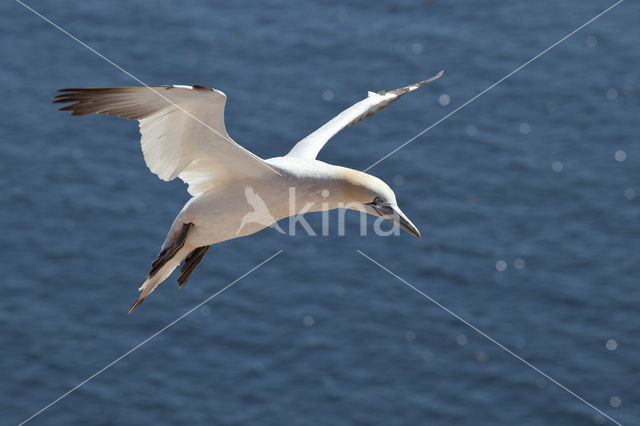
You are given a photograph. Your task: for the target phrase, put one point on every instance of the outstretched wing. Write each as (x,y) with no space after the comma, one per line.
(182,128)
(312,144)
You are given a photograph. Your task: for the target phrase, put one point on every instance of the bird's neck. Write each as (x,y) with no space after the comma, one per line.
(312,185)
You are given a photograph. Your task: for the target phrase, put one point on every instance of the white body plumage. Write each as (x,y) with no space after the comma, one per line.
(234,192)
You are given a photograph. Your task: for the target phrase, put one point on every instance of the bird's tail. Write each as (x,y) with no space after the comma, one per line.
(173,252)
(156,279)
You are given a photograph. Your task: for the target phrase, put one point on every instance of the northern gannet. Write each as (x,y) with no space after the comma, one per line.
(234,192)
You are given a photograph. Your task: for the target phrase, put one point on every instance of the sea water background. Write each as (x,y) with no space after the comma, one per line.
(320,335)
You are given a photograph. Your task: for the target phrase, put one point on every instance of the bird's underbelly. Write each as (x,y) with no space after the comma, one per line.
(221,216)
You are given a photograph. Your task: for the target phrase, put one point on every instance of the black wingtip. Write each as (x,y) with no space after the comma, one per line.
(433,78)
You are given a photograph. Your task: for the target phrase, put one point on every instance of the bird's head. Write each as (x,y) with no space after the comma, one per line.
(367,193)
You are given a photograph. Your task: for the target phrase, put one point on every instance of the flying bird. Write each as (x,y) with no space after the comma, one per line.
(183,136)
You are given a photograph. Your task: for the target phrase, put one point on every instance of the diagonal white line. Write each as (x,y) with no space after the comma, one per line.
(500,345)
(494,85)
(115,361)
(235,145)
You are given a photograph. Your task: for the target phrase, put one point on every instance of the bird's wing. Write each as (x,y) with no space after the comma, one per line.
(182,128)
(312,144)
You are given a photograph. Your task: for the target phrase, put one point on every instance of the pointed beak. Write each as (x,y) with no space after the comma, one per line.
(393,214)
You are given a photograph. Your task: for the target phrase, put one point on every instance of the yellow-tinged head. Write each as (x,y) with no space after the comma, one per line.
(364,192)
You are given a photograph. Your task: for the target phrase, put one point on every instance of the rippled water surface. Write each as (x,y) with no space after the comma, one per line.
(527,200)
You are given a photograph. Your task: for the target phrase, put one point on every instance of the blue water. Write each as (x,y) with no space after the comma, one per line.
(524,176)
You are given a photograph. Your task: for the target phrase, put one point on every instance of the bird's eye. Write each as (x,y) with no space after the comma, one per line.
(378,200)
